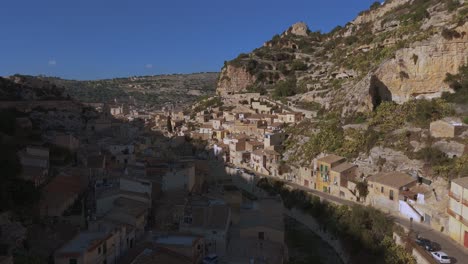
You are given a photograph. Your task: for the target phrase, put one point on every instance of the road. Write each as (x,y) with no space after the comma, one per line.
(454,250)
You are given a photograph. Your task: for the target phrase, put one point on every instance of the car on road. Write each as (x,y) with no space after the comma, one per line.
(210,259)
(441,257)
(425,243)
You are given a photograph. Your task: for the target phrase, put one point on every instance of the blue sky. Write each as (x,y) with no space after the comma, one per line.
(103,39)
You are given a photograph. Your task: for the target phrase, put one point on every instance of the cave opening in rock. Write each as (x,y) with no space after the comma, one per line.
(378,92)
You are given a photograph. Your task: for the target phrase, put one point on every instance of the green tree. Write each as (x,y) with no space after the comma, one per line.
(362,189)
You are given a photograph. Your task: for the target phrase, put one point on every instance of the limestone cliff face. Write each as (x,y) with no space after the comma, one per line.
(419,71)
(234,79)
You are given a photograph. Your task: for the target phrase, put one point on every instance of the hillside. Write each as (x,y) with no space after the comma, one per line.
(153,90)
(376,84)
(397,51)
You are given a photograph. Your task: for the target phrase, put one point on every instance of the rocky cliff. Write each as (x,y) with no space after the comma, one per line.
(398,51)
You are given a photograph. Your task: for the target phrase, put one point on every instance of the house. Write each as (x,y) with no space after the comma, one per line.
(324,166)
(306,177)
(290,117)
(217,123)
(340,176)
(33,156)
(96,166)
(150,253)
(130,212)
(190,246)
(253,145)
(220,134)
(67,141)
(263,159)
(60,194)
(261,234)
(206,129)
(385,189)
(263,220)
(209,220)
(273,139)
(173,176)
(458,211)
(91,247)
(447,128)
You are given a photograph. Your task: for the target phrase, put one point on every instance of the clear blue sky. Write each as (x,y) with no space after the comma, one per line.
(84,39)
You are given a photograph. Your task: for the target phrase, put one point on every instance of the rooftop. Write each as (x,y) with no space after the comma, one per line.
(343,167)
(394,179)
(176,240)
(331,159)
(83,242)
(463,182)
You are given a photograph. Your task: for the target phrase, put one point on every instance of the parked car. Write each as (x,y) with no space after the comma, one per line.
(441,257)
(425,243)
(210,259)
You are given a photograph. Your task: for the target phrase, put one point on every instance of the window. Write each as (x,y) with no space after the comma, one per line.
(214,232)
(391,195)
(261,235)
(104,248)
(99,250)
(72,261)
(381,189)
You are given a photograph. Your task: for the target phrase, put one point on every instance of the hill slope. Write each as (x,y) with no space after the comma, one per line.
(397,51)
(153,90)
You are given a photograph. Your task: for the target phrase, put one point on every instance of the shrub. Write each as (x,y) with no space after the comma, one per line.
(375,5)
(298,65)
(459,83)
(285,88)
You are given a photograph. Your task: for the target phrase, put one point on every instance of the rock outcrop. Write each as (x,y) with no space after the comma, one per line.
(234,79)
(300,29)
(419,71)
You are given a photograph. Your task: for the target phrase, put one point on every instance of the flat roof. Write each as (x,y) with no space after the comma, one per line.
(343,167)
(175,240)
(394,179)
(83,242)
(463,182)
(331,159)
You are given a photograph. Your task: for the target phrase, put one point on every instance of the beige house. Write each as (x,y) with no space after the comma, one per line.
(210,221)
(447,128)
(340,177)
(385,189)
(263,221)
(458,211)
(106,242)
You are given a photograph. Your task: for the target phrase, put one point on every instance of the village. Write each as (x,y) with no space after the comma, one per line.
(129,185)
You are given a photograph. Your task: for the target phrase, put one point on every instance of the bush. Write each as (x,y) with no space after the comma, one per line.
(298,65)
(459,83)
(375,5)
(285,88)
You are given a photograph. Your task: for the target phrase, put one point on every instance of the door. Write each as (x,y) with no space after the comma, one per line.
(466,239)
